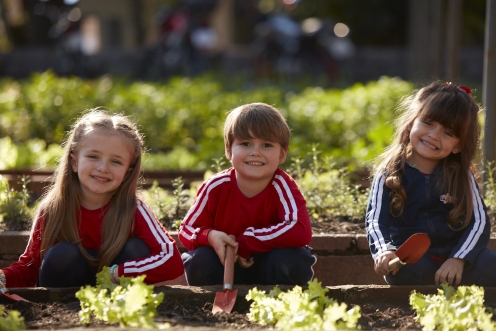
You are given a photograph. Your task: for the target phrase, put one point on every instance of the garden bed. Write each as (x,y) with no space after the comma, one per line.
(189,308)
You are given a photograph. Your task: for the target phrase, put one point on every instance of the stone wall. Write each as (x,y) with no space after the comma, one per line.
(341,259)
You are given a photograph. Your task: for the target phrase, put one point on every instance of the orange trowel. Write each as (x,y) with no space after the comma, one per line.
(14,297)
(224,301)
(410,251)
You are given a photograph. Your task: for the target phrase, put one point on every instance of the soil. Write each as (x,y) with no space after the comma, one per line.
(197,314)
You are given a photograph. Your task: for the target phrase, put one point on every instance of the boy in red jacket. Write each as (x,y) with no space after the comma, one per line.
(254,202)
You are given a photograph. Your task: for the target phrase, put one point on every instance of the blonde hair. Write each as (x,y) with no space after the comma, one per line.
(256,120)
(454,108)
(61,203)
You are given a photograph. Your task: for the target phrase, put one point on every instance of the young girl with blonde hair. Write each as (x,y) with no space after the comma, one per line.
(91,216)
(426,182)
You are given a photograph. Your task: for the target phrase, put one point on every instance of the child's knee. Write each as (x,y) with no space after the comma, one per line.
(483,272)
(62,251)
(407,276)
(135,248)
(292,266)
(202,267)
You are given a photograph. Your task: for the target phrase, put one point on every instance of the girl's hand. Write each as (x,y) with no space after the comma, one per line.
(381,263)
(450,271)
(218,240)
(245,263)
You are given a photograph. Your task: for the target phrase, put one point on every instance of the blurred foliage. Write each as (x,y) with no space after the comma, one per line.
(182,120)
(329,190)
(16,210)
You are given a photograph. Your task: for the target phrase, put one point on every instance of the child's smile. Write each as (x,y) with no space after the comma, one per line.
(255,163)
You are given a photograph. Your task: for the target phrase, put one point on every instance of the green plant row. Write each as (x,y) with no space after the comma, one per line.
(330,192)
(183,118)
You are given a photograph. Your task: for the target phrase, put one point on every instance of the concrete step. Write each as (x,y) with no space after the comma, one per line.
(342,259)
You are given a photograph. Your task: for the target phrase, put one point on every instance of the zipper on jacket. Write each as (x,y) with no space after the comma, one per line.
(427,187)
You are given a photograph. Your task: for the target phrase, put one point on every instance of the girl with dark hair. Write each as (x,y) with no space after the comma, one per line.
(426,182)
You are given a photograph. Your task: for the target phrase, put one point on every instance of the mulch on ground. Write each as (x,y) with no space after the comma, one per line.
(196,314)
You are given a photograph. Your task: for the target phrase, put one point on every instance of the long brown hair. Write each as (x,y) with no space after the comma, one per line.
(455,109)
(61,202)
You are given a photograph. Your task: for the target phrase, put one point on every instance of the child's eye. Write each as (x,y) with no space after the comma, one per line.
(117,161)
(245,143)
(92,156)
(448,133)
(426,122)
(267,145)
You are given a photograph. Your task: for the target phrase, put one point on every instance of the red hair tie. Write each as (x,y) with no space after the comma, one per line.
(463,88)
(466,89)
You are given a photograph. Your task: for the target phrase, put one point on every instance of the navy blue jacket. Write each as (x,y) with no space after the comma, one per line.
(424,211)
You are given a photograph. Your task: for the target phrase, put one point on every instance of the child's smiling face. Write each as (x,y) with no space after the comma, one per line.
(255,159)
(431,142)
(101,161)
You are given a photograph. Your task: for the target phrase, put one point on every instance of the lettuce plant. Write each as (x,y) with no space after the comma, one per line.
(304,310)
(450,309)
(131,303)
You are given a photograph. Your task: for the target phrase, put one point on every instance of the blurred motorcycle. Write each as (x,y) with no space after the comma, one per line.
(186,40)
(285,47)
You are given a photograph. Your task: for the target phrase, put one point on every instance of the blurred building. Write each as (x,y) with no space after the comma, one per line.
(153,39)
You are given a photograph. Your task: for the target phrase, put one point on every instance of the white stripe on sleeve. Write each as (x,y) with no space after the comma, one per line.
(373,216)
(480,221)
(155,260)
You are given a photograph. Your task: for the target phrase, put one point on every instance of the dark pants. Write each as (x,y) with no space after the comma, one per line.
(285,266)
(482,273)
(65,266)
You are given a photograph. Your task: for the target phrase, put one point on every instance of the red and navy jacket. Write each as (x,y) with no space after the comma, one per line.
(275,218)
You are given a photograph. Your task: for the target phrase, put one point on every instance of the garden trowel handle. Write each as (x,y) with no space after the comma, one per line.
(395,263)
(229,268)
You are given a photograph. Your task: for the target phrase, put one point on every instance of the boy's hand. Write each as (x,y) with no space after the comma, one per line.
(218,240)
(245,263)
(450,271)
(381,263)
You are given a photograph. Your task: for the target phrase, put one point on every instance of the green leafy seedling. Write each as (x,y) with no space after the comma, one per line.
(450,309)
(299,309)
(131,303)
(12,321)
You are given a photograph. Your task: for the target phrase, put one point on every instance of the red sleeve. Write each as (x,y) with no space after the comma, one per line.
(24,272)
(164,262)
(198,222)
(293,229)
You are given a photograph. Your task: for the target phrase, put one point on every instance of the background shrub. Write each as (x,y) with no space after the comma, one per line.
(183,119)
